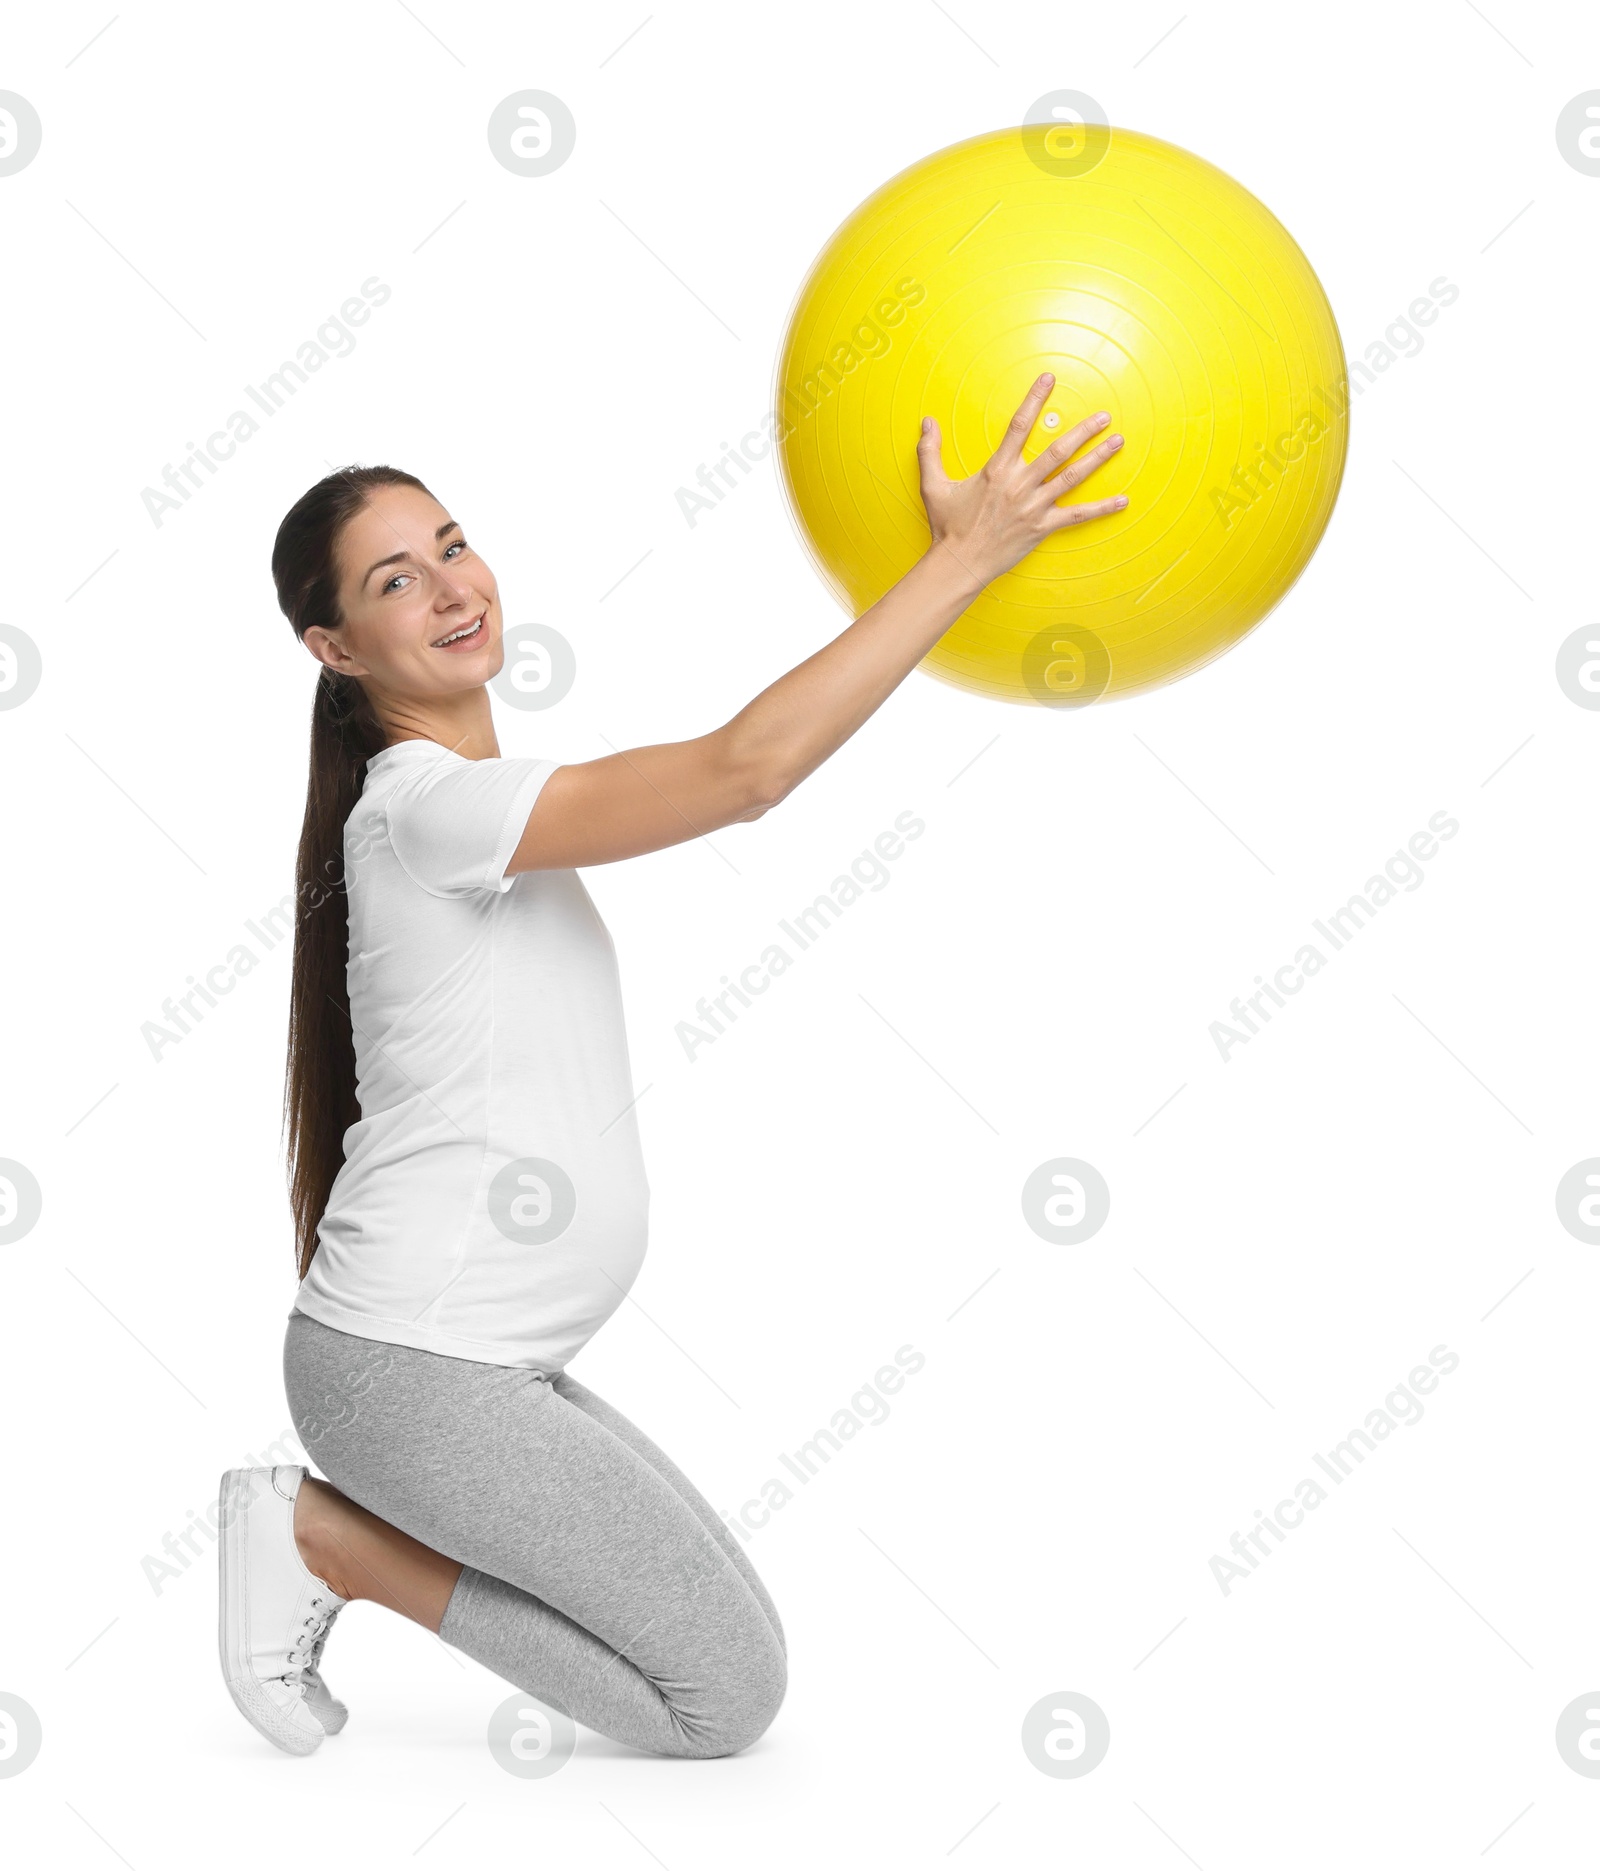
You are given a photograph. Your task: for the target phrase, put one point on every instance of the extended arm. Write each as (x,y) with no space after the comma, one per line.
(597,811)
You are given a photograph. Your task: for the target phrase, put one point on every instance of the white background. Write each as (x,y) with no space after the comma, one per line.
(839,1174)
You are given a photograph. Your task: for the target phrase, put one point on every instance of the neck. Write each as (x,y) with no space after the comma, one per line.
(462,722)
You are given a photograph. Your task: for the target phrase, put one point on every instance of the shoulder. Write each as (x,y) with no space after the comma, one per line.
(396,773)
(453,824)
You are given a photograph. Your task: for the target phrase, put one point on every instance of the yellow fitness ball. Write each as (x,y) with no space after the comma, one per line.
(1156,288)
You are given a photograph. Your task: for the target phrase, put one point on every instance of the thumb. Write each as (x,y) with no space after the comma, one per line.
(930,455)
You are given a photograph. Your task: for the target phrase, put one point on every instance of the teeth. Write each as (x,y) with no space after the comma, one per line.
(465,631)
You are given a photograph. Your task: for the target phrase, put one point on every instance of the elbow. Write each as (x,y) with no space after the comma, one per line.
(772,787)
(758,785)
(761,800)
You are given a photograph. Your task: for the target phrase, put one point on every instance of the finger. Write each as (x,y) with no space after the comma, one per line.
(1021,424)
(1049,459)
(1092,510)
(1080,470)
(930,454)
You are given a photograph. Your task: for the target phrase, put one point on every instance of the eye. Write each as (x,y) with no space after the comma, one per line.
(455,545)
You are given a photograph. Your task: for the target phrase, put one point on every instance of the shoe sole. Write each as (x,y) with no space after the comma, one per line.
(233,1625)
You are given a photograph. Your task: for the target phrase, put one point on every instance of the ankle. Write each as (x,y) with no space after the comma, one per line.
(316,1534)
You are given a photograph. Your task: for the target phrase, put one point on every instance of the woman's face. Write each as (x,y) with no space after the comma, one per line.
(421,610)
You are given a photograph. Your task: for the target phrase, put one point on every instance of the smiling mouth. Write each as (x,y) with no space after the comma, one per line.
(468,633)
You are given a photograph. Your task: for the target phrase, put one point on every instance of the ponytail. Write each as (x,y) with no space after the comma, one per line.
(319,1096)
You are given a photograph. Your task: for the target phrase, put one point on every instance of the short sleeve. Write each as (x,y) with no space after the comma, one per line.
(454,823)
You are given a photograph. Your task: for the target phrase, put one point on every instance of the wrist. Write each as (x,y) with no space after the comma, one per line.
(953,572)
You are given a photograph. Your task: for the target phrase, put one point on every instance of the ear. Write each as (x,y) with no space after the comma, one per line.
(328,651)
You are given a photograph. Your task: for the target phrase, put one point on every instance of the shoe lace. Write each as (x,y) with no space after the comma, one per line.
(305,1647)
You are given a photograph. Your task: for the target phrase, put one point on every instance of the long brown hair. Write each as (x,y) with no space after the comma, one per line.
(319,1089)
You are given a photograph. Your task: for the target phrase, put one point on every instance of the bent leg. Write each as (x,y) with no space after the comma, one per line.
(585,1399)
(587,1580)
(591,1583)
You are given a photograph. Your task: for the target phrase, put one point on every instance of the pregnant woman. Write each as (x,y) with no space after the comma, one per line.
(465,1168)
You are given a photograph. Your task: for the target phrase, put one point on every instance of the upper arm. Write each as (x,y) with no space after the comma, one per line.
(625,804)
(453,824)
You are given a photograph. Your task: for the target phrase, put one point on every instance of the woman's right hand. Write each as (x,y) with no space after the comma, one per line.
(997,516)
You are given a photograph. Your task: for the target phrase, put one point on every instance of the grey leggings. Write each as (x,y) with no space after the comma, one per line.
(594,1575)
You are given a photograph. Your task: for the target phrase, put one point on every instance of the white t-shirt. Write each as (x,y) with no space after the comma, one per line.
(492,1203)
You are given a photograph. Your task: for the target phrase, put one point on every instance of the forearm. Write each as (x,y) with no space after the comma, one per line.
(624,804)
(795,724)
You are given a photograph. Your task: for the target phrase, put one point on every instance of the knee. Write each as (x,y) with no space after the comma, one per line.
(744,1706)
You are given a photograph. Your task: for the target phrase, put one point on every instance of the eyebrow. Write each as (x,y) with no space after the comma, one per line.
(394,558)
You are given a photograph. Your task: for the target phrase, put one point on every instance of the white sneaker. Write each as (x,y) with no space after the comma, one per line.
(275,1614)
(326,1706)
